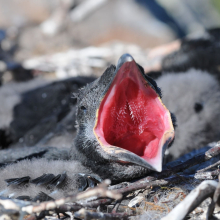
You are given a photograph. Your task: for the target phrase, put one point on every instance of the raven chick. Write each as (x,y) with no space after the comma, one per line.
(123,126)
(123,132)
(193,96)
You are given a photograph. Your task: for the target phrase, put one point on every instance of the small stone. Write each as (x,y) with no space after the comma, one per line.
(135,202)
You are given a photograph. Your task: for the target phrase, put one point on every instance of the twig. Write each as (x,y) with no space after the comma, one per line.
(140,184)
(214,201)
(209,167)
(13,204)
(96,203)
(207,175)
(100,191)
(143,184)
(204,190)
(99,215)
(119,186)
(62,209)
(68,207)
(115,209)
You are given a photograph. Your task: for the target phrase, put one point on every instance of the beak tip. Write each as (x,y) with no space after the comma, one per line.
(158,167)
(123,59)
(159,170)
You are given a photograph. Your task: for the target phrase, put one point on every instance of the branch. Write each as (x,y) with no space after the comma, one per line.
(209,167)
(141,184)
(96,203)
(144,184)
(207,175)
(198,195)
(214,201)
(84,214)
(100,191)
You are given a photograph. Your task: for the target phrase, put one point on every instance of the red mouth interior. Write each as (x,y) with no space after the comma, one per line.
(131,116)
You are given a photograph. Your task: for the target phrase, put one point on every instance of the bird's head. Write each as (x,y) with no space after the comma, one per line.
(122,119)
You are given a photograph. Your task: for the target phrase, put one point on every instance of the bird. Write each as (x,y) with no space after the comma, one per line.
(131,126)
(123,131)
(31,110)
(193,96)
(190,80)
(198,51)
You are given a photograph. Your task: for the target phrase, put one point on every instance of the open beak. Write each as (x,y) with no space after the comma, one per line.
(132,124)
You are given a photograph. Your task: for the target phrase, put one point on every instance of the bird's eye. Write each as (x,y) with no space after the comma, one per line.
(83,108)
(198,107)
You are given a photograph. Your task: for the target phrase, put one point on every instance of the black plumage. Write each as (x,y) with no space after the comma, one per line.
(18,181)
(201,52)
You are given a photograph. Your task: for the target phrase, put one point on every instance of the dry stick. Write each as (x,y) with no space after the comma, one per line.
(119,186)
(214,201)
(143,184)
(135,186)
(62,209)
(68,207)
(96,203)
(84,214)
(15,206)
(207,175)
(198,195)
(100,191)
(115,209)
(209,167)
